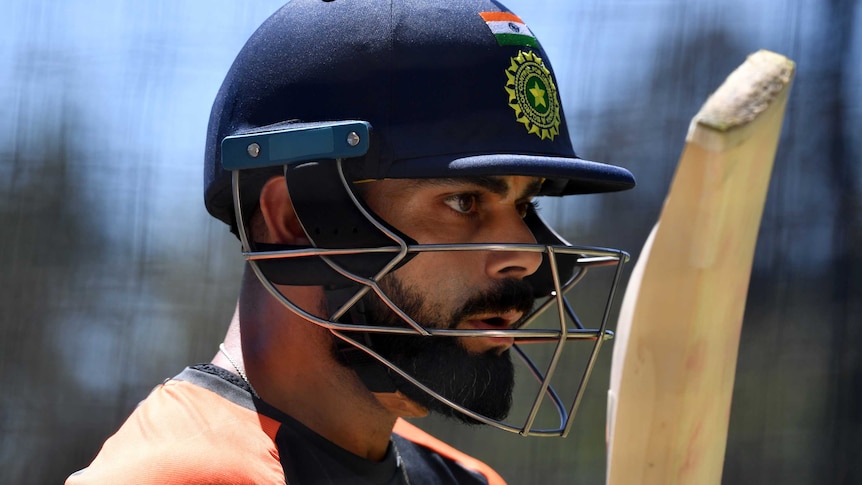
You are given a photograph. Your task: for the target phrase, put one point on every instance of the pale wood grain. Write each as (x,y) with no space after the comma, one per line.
(678,333)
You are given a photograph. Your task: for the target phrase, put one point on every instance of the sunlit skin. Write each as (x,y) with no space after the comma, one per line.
(450,211)
(289,361)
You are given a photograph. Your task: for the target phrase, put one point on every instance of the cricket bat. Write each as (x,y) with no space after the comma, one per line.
(675,353)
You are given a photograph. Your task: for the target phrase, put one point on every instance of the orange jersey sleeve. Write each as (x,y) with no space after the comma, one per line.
(185,434)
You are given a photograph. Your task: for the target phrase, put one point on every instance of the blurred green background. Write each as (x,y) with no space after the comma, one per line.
(113,277)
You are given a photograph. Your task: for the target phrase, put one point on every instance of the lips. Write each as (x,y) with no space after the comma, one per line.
(497,321)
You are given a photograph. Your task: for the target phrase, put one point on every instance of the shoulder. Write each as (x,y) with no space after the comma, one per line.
(430,447)
(183,433)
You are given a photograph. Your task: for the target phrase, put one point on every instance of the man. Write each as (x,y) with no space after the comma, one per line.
(378,160)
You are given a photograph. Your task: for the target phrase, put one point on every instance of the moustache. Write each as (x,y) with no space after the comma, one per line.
(504,296)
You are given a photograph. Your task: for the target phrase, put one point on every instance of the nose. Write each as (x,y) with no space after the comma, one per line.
(513,263)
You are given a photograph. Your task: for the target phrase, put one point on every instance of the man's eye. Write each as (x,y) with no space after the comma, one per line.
(462,203)
(524,207)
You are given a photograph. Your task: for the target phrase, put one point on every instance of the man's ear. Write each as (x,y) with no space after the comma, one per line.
(282,225)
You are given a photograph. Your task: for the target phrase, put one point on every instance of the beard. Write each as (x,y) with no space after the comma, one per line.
(482,383)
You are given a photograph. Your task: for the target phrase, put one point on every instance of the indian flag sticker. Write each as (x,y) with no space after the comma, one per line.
(509,29)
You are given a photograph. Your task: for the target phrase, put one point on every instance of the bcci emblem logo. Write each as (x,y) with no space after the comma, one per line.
(533,95)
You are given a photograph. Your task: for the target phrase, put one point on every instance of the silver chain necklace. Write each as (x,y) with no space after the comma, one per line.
(223,350)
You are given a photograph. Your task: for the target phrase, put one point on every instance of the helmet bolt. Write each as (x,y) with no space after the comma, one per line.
(253,150)
(352,139)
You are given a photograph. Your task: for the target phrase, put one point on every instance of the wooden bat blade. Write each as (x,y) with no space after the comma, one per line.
(674,358)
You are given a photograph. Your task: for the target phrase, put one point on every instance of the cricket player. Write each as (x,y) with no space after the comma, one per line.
(379,162)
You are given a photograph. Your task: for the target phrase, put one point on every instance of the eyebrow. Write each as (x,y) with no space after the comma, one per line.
(494,184)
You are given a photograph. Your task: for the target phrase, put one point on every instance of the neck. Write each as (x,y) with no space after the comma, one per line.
(289,363)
